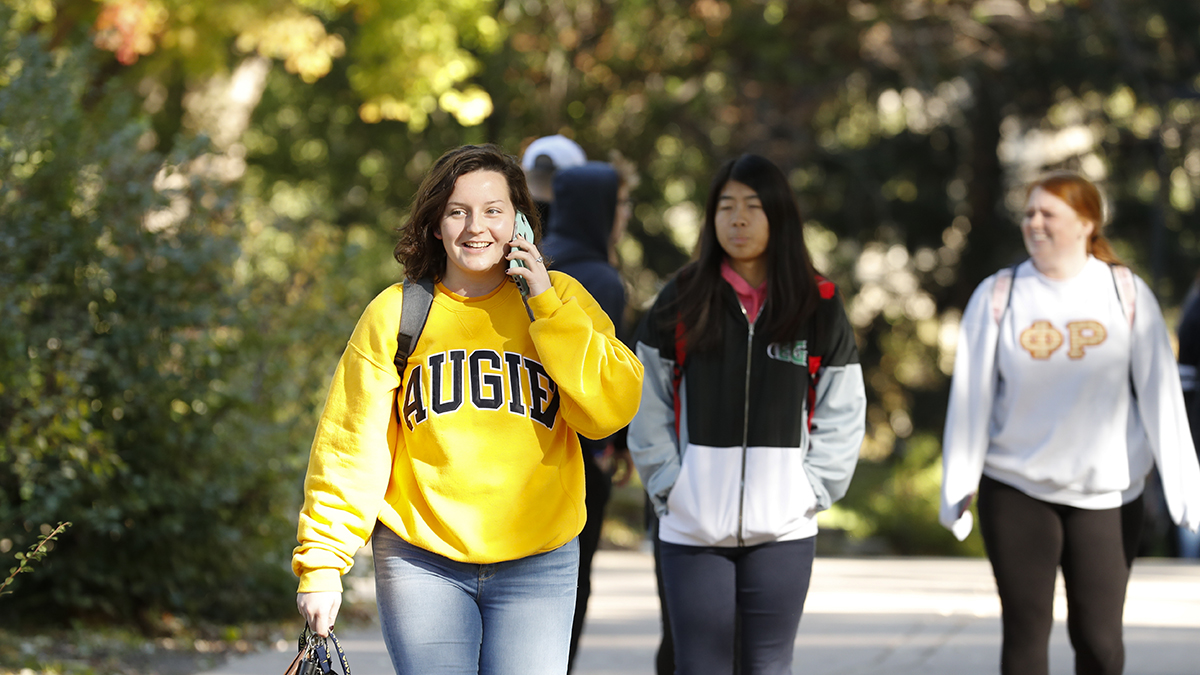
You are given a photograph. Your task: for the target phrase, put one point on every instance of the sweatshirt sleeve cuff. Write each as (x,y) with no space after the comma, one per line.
(321,579)
(961,526)
(545,303)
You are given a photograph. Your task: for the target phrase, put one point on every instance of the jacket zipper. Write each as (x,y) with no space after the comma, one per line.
(745,424)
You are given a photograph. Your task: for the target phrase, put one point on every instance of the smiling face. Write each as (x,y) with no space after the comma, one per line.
(1055,235)
(475,228)
(741,223)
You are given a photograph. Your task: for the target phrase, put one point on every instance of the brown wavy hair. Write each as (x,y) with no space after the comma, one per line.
(1082,195)
(422,254)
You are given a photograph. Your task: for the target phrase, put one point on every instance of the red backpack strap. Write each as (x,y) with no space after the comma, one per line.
(677,374)
(814,370)
(825,287)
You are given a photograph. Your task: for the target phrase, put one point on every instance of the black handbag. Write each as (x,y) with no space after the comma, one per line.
(313,656)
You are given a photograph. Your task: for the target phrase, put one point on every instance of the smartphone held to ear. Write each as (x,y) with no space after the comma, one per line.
(522,228)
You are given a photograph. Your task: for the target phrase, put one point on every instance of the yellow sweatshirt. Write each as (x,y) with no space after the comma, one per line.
(475,457)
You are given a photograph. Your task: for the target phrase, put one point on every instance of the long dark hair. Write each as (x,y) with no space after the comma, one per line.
(791,280)
(422,254)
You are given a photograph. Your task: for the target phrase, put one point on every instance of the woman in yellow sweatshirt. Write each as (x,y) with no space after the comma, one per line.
(465,471)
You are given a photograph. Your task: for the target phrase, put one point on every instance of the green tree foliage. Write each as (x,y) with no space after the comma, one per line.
(129,363)
(409,58)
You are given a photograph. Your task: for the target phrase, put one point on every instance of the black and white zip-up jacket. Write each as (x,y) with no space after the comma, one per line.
(767,434)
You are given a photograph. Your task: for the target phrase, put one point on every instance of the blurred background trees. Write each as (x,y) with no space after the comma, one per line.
(198,199)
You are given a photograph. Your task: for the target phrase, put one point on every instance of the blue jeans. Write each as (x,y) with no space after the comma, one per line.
(443,616)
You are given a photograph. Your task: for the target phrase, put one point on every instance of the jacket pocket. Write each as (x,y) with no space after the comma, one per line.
(702,509)
(780,502)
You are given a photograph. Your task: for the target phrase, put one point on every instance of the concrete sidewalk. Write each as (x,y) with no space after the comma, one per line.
(864,616)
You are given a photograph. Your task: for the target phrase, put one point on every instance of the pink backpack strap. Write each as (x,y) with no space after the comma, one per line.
(1002,292)
(1126,291)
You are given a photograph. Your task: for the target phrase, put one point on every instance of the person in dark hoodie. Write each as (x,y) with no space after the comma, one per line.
(1187,542)
(591,208)
(542,159)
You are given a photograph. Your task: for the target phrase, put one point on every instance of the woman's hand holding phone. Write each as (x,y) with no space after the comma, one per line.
(525,262)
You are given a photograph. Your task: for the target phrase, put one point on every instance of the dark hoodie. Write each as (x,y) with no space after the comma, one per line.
(1189,355)
(581,222)
(577,236)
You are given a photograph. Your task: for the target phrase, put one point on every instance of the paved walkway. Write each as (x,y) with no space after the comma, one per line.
(864,616)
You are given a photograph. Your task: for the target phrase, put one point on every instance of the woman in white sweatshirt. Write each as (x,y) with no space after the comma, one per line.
(1065,394)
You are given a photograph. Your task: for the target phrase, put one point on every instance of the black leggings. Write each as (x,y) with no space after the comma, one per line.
(1027,540)
(709,589)
(598,489)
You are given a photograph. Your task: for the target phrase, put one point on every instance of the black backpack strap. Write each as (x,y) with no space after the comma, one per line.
(414,310)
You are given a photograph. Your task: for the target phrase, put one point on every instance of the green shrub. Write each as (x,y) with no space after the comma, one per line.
(897,502)
(135,379)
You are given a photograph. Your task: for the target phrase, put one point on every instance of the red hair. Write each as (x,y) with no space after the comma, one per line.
(1085,198)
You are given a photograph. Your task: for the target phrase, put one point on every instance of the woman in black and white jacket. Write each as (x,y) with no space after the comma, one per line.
(1065,394)
(752,415)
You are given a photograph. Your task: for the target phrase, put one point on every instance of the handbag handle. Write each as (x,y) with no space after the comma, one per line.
(294,668)
(312,655)
(323,655)
(305,654)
